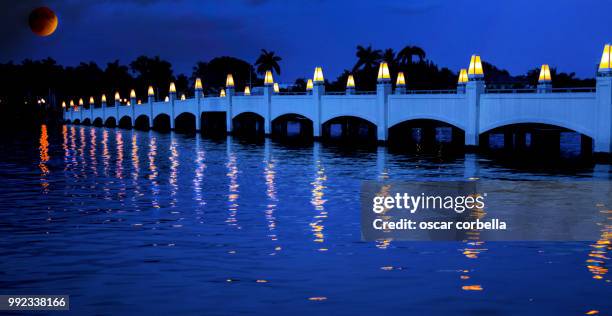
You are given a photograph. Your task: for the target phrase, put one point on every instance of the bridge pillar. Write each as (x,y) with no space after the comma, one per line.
(229,94)
(268,90)
(383,90)
(103,105)
(172,98)
(117,103)
(133,108)
(318,90)
(603,132)
(198,97)
(150,100)
(91,110)
(473,90)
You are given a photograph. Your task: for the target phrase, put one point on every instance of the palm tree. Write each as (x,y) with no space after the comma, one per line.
(406,54)
(268,61)
(390,58)
(367,58)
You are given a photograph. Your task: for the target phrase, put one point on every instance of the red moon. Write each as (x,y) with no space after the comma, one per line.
(43,21)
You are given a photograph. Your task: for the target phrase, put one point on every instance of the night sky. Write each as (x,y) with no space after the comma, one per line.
(515,35)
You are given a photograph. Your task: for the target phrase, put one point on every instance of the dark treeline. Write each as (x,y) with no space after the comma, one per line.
(23,84)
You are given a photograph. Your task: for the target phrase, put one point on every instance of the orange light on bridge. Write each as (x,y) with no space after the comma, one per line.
(475,69)
(198,84)
(606,58)
(150,92)
(318,75)
(63,104)
(463,76)
(350,82)
(132,94)
(383,72)
(80,102)
(401,81)
(183,97)
(247,90)
(172,87)
(117,96)
(222,94)
(103,99)
(544,74)
(276,88)
(229,82)
(91,100)
(309,85)
(268,79)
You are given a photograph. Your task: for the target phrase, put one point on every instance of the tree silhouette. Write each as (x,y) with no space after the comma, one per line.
(268,61)
(367,58)
(152,72)
(406,54)
(214,73)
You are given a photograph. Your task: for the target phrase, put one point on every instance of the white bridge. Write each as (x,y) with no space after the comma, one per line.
(471,108)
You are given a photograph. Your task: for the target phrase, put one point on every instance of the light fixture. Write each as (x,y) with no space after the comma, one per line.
(276,88)
(103,98)
(318,75)
(166,99)
(268,79)
(151,92)
(401,81)
(172,87)
(117,96)
(350,82)
(222,94)
(198,84)
(80,102)
(544,74)
(132,94)
(91,100)
(383,72)
(229,82)
(309,85)
(247,90)
(183,97)
(606,59)
(475,69)
(463,76)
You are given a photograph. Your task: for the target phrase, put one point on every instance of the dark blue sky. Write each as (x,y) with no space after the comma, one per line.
(516,35)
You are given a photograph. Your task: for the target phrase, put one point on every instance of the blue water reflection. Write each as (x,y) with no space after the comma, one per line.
(131,222)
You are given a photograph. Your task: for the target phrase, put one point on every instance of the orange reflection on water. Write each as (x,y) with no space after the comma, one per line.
(119,149)
(270,175)
(93,158)
(233,195)
(473,248)
(318,201)
(44,157)
(599,254)
(174,164)
(153,172)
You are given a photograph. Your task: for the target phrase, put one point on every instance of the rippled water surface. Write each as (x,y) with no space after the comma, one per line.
(141,222)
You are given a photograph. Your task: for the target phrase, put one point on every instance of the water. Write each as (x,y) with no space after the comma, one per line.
(141,222)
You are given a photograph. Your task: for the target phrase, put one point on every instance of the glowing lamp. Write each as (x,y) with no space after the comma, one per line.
(80,101)
(132,94)
(268,79)
(91,100)
(183,97)
(128,103)
(383,72)
(172,87)
(222,94)
(247,90)
(150,92)
(166,99)
(309,85)
(401,81)
(544,74)
(64,104)
(198,84)
(229,82)
(318,75)
(475,69)
(606,59)
(139,102)
(103,98)
(463,76)
(350,82)
(117,96)
(71,103)
(276,88)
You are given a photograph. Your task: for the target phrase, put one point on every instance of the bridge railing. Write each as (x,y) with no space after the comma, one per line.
(443,91)
(534,90)
(292,93)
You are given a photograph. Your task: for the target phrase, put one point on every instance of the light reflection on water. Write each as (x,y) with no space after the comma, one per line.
(166,222)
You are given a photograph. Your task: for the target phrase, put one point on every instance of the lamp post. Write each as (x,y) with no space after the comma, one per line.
(400,84)
(544,80)
(350,85)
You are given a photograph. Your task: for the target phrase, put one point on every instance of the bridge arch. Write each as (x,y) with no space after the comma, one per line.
(248,124)
(161,122)
(185,123)
(86,122)
(125,122)
(349,129)
(98,122)
(538,120)
(142,123)
(110,122)
(292,126)
(426,135)
(76,121)
(536,139)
